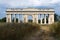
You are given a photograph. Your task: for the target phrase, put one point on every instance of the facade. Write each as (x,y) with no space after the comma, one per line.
(45,14)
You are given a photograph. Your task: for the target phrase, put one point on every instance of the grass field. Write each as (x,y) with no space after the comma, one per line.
(26,31)
(17,31)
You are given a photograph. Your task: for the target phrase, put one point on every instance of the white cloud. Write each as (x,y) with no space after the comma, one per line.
(28,3)
(55,1)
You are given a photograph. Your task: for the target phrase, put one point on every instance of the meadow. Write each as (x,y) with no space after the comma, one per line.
(28,31)
(17,31)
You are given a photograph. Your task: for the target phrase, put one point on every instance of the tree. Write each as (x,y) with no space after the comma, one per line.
(55,30)
(56,17)
(3,19)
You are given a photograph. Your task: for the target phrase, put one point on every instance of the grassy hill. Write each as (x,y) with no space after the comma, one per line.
(29,31)
(17,31)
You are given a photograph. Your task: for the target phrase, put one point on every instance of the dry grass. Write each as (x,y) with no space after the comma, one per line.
(17,31)
(55,30)
(46,28)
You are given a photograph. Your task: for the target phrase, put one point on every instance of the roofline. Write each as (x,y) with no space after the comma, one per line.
(29,8)
(30,11)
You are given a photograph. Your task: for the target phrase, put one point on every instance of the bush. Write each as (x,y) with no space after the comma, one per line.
(55,29)
(17,31)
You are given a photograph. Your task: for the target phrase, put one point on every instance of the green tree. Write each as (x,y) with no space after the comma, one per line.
(55,30)
(3,19)
(56,17)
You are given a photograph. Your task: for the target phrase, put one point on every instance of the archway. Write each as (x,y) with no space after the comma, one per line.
(30,18)
(39,18)
(21,18)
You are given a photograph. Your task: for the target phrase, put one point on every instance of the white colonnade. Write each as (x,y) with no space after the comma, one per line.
(26,13)
(35,18)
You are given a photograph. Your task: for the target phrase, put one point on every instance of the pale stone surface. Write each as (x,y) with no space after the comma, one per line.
(15,18)
(44,19)
(18,18)
(25,19)
(41,19)
(8,18)
(30,11)
(51,19)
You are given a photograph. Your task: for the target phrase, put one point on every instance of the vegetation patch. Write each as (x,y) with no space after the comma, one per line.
(17,31)
(55,30)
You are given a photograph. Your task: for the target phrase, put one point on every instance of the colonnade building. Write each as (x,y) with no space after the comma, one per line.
(39,15)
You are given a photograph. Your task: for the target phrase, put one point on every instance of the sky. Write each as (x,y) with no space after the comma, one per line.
(28,3)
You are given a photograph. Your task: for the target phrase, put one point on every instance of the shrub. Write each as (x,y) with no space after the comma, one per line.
(17,31)
(55,29)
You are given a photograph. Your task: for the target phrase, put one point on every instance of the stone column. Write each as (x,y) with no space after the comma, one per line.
(33,18)
(8,18)
(44,19)
(14,18)
(51,19)
(48,18)
(36,19)
(41,18)
(19,18)
(25,19)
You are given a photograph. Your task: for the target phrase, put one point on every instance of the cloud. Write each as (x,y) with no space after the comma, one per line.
(55,1)
(28,3)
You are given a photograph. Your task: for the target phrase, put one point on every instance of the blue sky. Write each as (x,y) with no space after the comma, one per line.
(28,3)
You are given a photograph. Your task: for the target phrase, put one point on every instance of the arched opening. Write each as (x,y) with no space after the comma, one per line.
(17,18)
(14,18)
(42,18)
(39,18)
(47,18)
(30,18)
(21,18)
